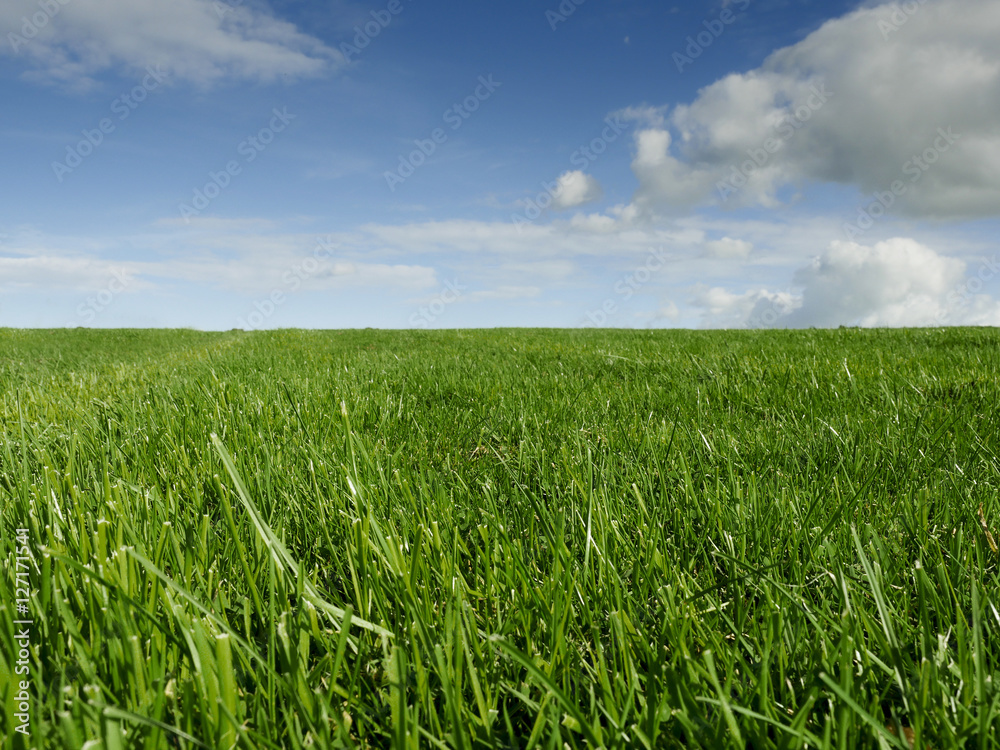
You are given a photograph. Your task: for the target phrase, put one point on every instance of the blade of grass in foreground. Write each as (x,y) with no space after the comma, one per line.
(283,559)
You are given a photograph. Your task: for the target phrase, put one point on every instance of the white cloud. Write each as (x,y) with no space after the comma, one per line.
(548,270)
(377,274)
(594,223)
(505,292)
(595,235)
(54,271)
(668,312)
(216,223)
(297,268)
(664,180)
(645,114)
(851,103)
(727,247)
(721,308)
(575,189)
(616,219)
(202,41)
(224,254)
(897,279)
(895,283)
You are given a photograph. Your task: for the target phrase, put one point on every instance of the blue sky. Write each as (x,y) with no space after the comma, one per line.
(410,164)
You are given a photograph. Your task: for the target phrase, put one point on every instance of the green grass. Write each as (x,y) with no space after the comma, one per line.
(504,538)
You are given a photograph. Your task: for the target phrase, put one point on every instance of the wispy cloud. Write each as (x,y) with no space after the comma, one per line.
(204,42)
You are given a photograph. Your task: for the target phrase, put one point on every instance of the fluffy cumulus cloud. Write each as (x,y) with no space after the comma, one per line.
(893,283)
(902,102)
(575,189)
(755,308)
(664,180)
(898,282)
(202,41)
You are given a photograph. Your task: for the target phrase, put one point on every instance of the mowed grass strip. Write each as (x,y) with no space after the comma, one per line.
(513,538)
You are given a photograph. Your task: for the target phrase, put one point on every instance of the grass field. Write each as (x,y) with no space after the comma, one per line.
(508,538)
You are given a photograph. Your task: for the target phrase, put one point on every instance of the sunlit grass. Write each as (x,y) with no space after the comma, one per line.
(505,538)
